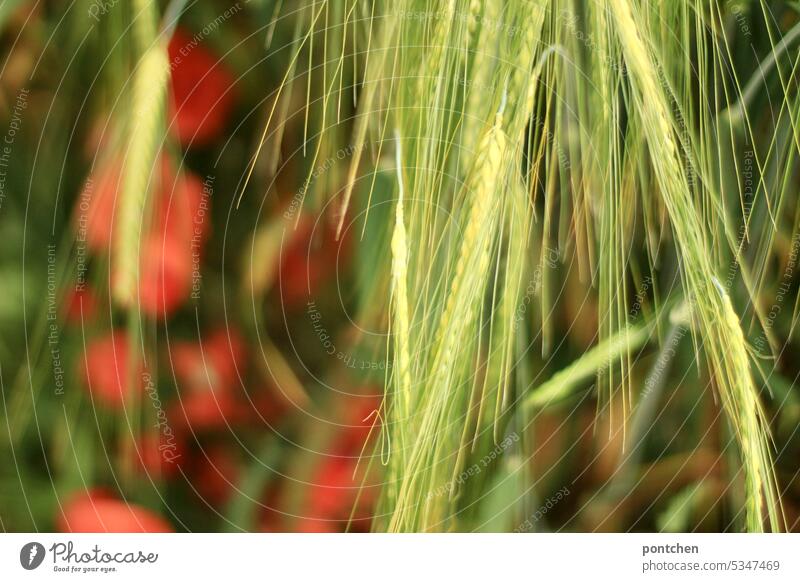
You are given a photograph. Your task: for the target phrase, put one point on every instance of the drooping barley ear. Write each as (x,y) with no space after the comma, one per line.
(750,424)
(563,384)
(146,130)
(420,477)
(400,293)
(717,322)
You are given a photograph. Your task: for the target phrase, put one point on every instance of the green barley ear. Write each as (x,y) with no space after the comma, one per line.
(750,424)
(718,324)
(597,360)
(146,123)
(419,502)
(401,315)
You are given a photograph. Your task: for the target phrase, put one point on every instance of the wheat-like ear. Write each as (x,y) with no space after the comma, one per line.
(401,313)
(145,126)
(597,360)
(461,309)
(750,423)
(718,324)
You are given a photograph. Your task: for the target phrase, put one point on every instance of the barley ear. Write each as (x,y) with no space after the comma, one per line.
(146,131)
(718,324)
(400,292)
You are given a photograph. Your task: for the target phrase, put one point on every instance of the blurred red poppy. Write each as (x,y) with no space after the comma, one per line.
(182,207)
(165,277)
(171,251)
(95,511)
(172,246)
(201,90)
(337,489)
(180,193)
(310,257)
(215,474)
(80,305)
(334,488)
(213,365)
(106,369)
(207,377)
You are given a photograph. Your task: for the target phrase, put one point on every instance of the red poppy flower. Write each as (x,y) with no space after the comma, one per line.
(182,208)
(201,91)
(215,474)
(336,489)
(95,511)
(339,483)
(165,276)
(211,393)
(180,212)
(207,377)
(171,251)
(106,370)
(80,306)
(310,257)
(214,365)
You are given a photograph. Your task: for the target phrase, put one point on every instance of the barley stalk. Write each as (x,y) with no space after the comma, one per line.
(518,214)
